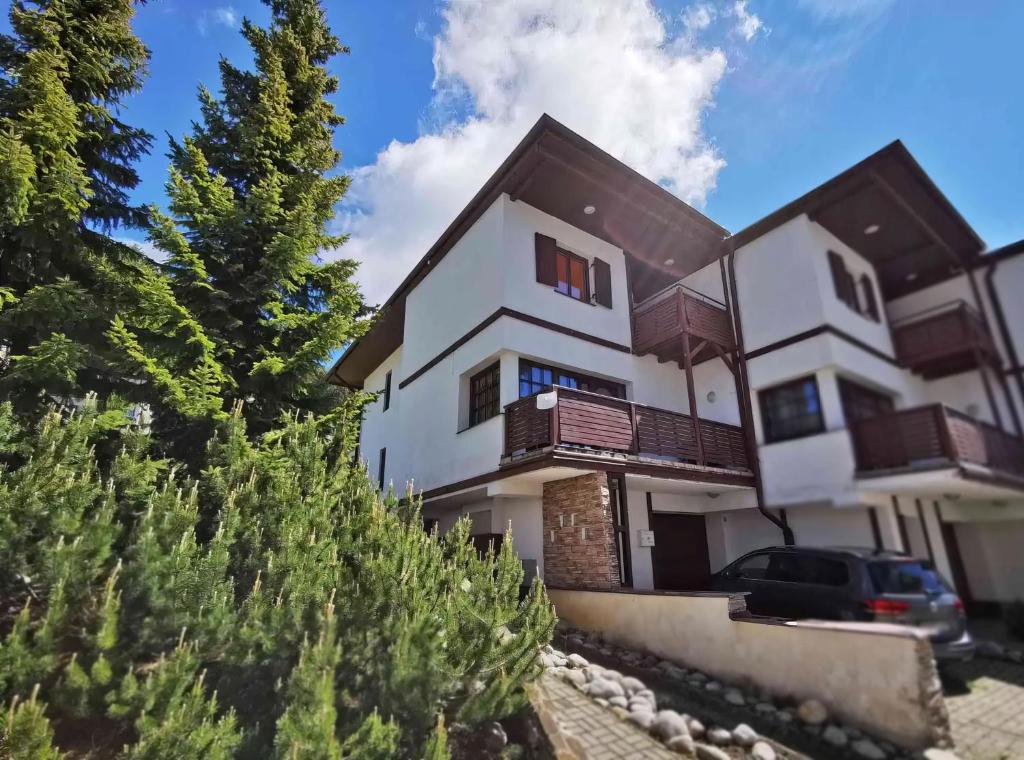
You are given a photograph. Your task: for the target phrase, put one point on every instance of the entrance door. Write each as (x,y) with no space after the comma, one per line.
(680,553)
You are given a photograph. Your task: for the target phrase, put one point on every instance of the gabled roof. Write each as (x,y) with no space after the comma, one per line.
(888,209)
(559,172)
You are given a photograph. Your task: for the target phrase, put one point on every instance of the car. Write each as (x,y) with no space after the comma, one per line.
(849,583)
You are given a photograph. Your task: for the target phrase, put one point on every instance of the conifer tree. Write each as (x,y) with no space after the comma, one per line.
(316,620)
(252,191)
(66,171)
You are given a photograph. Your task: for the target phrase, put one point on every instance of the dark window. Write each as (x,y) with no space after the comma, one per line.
(387,390)
(753,568)
(602,283)
(484,395)
(801,568)
(842,281)
(571,273)
(906,578)
(620,521)
(381,466)
(537,378)
(867,289)
(860,403)
(792,410)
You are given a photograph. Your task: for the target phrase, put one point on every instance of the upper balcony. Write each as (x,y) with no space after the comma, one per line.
(932,437)
(943,340)
(592,425)
(663,321)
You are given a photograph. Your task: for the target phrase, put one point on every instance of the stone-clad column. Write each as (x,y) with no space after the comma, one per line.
(579,537)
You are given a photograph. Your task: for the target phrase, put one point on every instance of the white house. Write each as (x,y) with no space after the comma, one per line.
(642,397)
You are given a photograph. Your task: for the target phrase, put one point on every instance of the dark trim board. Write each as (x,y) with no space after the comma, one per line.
(815,332)
(504,311)
(557,459)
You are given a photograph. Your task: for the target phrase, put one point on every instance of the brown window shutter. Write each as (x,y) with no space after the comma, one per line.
(842,280)
(602,283)
(870,301)
(547,273)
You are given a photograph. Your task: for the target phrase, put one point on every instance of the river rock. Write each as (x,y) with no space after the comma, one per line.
(683,744)
(577,661)
(868,750)
(762,751)
(720,736)
(494,737)
(744,735)
(734,697)
(707,752)
(812,712)
(632,685)
(668,724)
(619,702)
(602,688)
(642,718)
(835,736)
(696,727)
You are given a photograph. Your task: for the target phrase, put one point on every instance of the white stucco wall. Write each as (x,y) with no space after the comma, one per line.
(993,559)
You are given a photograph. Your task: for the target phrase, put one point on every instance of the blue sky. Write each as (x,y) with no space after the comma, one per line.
(738,107)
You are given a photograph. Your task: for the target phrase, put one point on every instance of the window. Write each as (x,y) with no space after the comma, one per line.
(802,568)
(537,378)
(842,281)
(381,467)
(387,390)
(566,272)
(572,275)
(860,403)
(867,289)
(791,410)
(752,568)
(484,394)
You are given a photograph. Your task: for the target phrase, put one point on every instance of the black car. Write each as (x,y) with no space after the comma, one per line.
(851,584)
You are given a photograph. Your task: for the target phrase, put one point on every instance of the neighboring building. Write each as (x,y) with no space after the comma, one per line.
(852,361)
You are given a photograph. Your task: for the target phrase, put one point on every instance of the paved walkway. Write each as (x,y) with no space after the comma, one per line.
(580,729)
(985,699)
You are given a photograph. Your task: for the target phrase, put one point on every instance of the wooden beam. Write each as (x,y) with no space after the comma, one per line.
(634,204)
(528,172)
(691,393)
(724,357)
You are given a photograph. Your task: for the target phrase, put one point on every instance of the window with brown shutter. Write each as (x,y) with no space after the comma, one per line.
(842,281)
(547,267)
(602,283)
(870,301)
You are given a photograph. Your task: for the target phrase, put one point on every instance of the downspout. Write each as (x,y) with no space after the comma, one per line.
(1011,351)
(743,392)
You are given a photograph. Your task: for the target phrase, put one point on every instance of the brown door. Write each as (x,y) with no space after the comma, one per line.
(680,553)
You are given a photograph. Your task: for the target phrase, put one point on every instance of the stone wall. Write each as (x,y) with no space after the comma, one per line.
(579,538)
(877,677)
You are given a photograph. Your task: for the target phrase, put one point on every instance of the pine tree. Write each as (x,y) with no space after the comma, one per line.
(252,191)
(66,169)
(312,618)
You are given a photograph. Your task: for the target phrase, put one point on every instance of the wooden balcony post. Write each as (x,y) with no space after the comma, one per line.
(945,436)
(636,431)
(691,393)
(554,422)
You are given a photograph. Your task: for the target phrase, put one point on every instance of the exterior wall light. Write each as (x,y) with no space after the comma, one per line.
(711,397)
(871,229)
(588,210)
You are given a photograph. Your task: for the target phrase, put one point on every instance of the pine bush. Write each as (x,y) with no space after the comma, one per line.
(277,606)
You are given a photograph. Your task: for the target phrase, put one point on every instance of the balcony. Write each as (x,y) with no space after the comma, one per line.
(934,436)
(589,424)
(661,322)
(944,340)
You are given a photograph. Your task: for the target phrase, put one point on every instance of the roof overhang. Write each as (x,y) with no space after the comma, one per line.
(887,209)
(559,172)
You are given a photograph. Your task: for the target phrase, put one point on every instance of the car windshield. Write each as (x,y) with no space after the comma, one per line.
(914,577)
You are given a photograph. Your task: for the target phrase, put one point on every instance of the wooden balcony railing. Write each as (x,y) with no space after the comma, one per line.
(605,424)
(943,340)
(929,435)
(660,321)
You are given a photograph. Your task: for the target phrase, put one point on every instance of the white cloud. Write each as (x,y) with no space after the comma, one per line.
(612,71)
(747,23)
(224,15)
(698,17)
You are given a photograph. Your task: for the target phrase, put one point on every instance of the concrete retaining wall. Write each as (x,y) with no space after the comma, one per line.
(880,678)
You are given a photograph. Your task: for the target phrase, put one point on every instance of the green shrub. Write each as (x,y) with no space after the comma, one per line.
(278,606)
